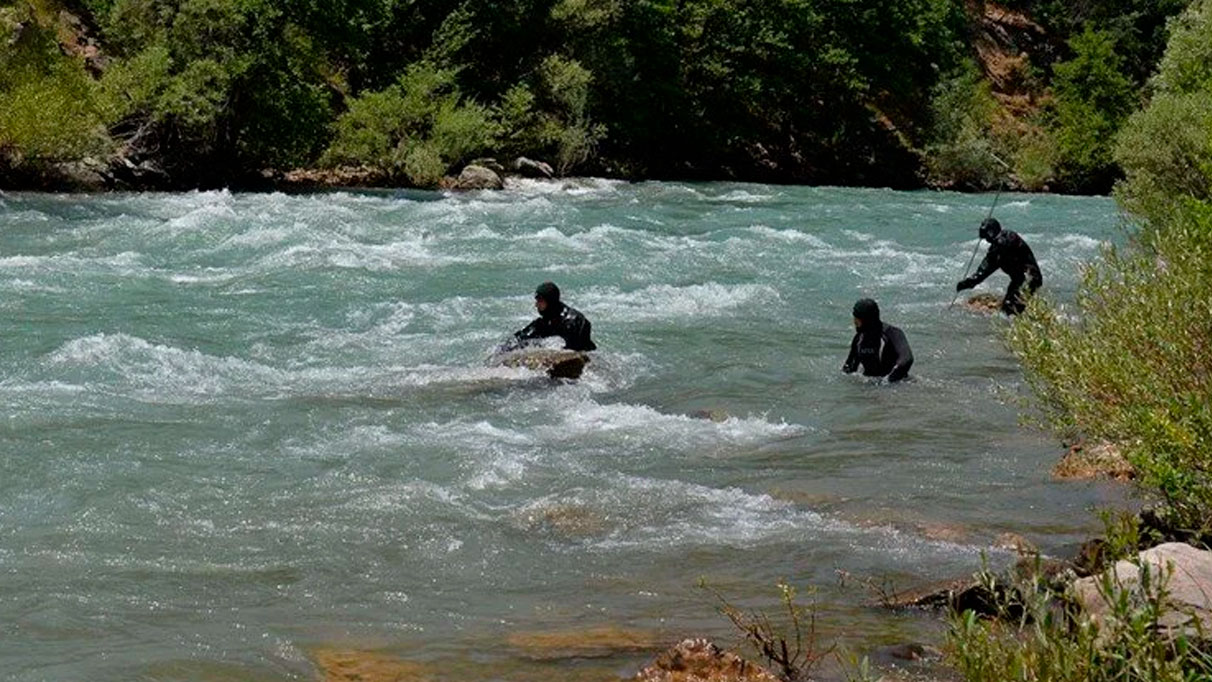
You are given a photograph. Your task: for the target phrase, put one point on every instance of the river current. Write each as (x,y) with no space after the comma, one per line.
(242,430)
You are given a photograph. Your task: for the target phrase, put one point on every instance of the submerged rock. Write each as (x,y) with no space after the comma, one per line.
(588,643)
(698,660)
(569,520)
(914,652)
(337,665)
(1179,571)
(714,414)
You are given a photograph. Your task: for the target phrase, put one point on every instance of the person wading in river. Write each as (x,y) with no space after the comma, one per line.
(1011,254)
(881,349)
(555,319)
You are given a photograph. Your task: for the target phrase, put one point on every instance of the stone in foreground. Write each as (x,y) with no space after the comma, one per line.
(1187,576)
(698,660)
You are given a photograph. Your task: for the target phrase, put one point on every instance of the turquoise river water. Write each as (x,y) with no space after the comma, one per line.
(241,429)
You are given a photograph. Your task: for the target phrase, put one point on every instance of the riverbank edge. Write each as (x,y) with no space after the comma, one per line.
(93,176)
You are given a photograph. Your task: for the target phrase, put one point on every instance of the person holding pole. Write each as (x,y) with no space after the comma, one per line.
(1010,254)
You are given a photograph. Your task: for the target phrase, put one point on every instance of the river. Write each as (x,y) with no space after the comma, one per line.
(241,429)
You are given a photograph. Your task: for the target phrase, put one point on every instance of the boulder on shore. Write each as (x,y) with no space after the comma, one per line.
(532,169)
(1094,460)
(489,163)
(699,660)
(1179,571)
(477,177)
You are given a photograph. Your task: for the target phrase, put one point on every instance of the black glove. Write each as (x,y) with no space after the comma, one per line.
(964,284)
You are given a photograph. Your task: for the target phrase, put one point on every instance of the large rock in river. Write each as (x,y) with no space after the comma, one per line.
(1182,572)
(558,363)
(478,177)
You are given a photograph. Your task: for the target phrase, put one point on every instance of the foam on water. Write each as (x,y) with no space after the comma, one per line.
(668,302)
(277,411)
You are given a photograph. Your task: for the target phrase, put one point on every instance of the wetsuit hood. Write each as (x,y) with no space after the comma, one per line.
(990,228)
(549,292)
(868,311)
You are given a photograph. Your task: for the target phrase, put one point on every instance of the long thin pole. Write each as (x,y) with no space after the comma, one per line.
(977,246)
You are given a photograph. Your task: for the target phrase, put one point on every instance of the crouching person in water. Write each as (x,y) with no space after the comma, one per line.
(1008,252)
(555,319)
(880,348)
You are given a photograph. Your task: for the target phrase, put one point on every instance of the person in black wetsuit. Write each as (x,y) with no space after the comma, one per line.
(880,348)
(555,319)
(1009,252)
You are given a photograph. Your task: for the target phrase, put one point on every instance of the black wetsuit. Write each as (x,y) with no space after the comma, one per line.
(559,320)
(1011,254)
(885,353)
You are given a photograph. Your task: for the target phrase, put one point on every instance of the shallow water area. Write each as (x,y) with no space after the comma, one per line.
(241,429)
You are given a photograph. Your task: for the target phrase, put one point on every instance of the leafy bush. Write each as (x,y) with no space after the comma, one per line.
(1131,364)
(565,125)
(415,129)
(1035,159)
(1092,99)
(1134,368)
(1166,149)
(962,148)
(1166,153)
(48,105)
(1186,65)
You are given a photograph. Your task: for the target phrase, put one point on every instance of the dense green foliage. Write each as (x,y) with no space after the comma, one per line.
(48,104)
(1131,365)
(1083,87)
(1093,97)
(217,91)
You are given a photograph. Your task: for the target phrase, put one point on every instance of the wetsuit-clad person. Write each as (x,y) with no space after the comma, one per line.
(880,348)
(1011,254)
(555,319)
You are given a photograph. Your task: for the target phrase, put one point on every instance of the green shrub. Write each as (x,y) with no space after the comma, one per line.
(1187,64)
(136,84)
(416,128)
(1130,363)
(1166,153)
(565,125)
(1035,160)
(962,149)
(1133,368)
(1092,99)
(49,107)
(1166,149)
